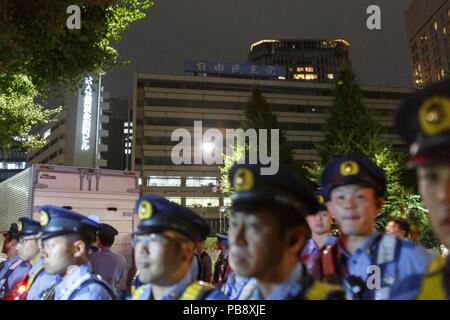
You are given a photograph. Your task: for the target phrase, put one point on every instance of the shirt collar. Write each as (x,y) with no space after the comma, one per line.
(176,290)
(366,246)
(288,287)
(69,279)
(37,265)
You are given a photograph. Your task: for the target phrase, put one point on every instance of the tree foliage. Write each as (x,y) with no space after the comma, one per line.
(19,114)
(258,115)
(38,51)
(36,42)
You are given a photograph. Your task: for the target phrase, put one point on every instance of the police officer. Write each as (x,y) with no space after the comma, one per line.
(66,237)
(353,190)
(221,267)
(29,250)
(164,246)
(205,261)
(105,262)
(320,226)
(267,233)
(423,121)
(399,227)
(14,270)
(38,281)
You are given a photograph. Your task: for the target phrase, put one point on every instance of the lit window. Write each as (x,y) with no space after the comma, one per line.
(227,201)
(162,181)
(435,25)
(299,76)
(47,133)
(309,69)
(444,30)
(201,181)
(12,166)
(177,200)
(202,202)
(330,76)
(300,69)
(311,77)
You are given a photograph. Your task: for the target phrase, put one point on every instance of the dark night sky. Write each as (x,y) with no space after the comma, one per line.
(224,29)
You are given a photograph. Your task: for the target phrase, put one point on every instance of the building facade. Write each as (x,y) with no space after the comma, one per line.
(428,28)
(75,135)
(164,103)
(12,163)
(304,60)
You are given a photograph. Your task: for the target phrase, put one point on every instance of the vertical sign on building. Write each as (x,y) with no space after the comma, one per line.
(86,144)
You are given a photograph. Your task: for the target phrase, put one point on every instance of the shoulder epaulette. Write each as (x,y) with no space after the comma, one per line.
(196,291)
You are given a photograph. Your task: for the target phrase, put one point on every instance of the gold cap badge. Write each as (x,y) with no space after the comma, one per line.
(43,217)
(349,168)
(244,180)
(434,115)
(145,210)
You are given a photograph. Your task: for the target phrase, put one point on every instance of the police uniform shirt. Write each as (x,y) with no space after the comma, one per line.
(175,292)
(194,268)
(109,265)
(19,274)
(400,278)
(234,286)
(289,288)
(69,288)
(42,281)
(311,250)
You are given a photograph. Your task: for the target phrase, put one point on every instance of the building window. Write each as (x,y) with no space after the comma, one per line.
(201,181)
(177,200)
(202,202)
(227,202)
(330,76)
(162,181)
(12,165)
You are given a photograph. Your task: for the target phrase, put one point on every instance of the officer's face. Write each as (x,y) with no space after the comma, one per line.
(394,229)
(355,209)
(57,255)
(434,186)
(159,257)
(11,248)
(319,223)
(28,248)
(254,238)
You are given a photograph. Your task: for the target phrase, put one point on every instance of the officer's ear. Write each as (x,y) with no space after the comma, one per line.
(379,202)
(79,249)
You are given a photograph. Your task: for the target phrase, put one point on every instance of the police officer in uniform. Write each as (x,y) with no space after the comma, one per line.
(320,226)
(423,121)
(221,266)
(353,189)
(28,249)
(164,247)
(66,238)
(13,270)
(267,233)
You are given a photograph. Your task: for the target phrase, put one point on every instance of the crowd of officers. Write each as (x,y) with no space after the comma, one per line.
(266,253)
